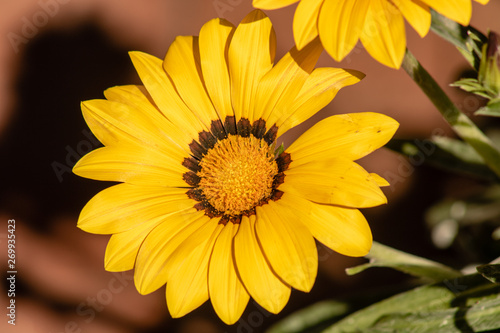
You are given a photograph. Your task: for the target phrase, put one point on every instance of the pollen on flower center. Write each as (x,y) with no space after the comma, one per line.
(237,173)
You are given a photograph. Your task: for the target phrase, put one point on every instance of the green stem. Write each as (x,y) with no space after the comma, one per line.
(461,124)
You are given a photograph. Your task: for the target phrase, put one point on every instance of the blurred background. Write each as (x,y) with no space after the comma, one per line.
(56,53)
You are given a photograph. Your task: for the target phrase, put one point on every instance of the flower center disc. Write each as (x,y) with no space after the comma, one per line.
(237,173)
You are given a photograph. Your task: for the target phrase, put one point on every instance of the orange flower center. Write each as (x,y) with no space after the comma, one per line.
(237,174)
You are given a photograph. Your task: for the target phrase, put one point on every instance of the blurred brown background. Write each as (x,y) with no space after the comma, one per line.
(56,53)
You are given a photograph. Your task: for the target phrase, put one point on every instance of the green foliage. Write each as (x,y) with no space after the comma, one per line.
(491,109)
(491,272)
(445,153)
(384,256)
(468,40)
(464,304)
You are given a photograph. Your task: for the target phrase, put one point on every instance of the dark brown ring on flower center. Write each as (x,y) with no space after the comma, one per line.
(208,140)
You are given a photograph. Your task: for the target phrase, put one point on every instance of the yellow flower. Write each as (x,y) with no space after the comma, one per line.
(205,206)
(379,24)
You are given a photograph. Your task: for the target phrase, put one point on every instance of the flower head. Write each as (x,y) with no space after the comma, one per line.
(379,24)
(207,205)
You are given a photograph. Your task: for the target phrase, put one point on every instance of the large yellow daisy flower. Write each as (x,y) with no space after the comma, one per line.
(206,205)
(379,24)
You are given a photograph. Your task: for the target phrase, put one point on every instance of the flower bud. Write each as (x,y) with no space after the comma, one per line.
(489,70)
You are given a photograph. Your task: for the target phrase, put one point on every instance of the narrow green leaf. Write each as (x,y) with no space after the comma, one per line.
(468,301)
(477,318)
(445,153)
(468,40)
(385,256)
(468,84)
(279,150)
(491,272)
(461,124)
(491,109)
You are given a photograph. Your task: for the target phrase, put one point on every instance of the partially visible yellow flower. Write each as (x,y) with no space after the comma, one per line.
(206,205)
(379,24)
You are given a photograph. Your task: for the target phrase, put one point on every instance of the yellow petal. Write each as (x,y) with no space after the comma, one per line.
(287,244)
(117,124)
(229,297)
(272,4)
(335,181)
(278,88)
(343,230)
(215,36)
(340,24)
(457,10)
(123,207)
(251,55)
(150,271)
(187,288)
(379,180)
(350,136)
(305,22)
(482,2)
(122,248)
(416,13)
(182,64)
(131,164)
(162,90)
(319,89)
(384,34)
(260,281)
(138,98)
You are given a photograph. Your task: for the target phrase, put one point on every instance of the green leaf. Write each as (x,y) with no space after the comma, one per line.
(461,124)
(446,153)
(279,150)
(472,86)
(490,271)
(468,303)
(491,109)
(458,149)
(385,256)
(471,319)
(310,318)
(468,40)
(468,84)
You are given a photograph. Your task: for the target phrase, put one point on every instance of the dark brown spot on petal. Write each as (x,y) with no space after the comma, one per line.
(192,164)
(218,130)
(191,178)
(283,161)
(279,179)
(230,125)
(259,128)
(244,128)
(195,194)
(276,195)
(197,150)
(207,140)
(224,220)
(235,219)
(270,136)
